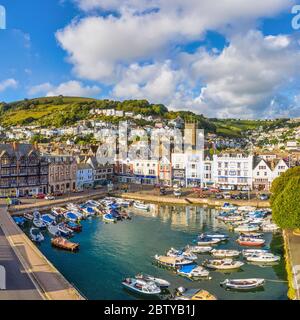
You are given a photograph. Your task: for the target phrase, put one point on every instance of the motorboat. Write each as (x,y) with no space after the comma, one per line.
(19,221)
(193,294)
(89,211)
(28,216)
(48,219)
(93,203)
(71,216)
(53,230)
(193,271)
(161,283)
(141,206)
(171,262)
(36,235)
(39,223)
(231,218)
(228,207)
(108,217)
(73,226)
(222,237)
(254,235)
(125,216)
(58,212)
(141,286)
(64,231)
(250,252)
(184,254)
(246,208)
(223,264)
(198,249)
(62,243)
(263,258)
(243,284)
(247,228)
(207,241)
(225,253)
(269,227)
(250,242)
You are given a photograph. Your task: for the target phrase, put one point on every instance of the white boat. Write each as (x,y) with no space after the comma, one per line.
(58,212)
(161,283)
(177,192)
(199,249)
(250,252)
(270,227)
(184,254)
(228,207)
(39,223)
(53,230)
(193,294)
(246,228)
(93,203)
(246,208)
(64,231)
(222,237)
(263,258)
(223,264)
(171,262)
(36,235)
(48,219)
(109,218)
(141,286)
(193,271)
(243,284)
(141,206)
(208,241)
(231,218)
(28,216)
(225,253)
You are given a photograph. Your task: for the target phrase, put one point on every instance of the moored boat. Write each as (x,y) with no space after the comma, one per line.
(19,221)
(36,235)
(225,253)
(243,284)
(64,231)
(73,226)
(28,216)
(108,217)
(193,294)
(161,283)
(263,258)
(184,254)
(269,227)
(199,249)
(39,223)
(141,206)
(250,252)
(193,271)
(70,216)
(247,228)
(58,212)
(48,219)
(141,286)
(53,230)
(207,241)
(250,242)
(171,262)
(63,243)
(223,264)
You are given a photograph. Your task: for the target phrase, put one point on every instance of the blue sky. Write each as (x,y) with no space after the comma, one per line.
(230,59)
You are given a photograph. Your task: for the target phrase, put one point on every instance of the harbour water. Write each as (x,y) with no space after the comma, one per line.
(110,252)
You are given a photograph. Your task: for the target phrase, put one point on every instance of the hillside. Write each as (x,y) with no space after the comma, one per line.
(61,111)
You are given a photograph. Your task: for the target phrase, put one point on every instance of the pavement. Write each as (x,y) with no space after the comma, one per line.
(23,258)
(17,282)
(294,253)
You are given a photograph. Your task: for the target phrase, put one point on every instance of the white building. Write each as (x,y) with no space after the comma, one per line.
(207,179)
(145,171)
(194,169)
(262,175)
(84,176)
(178,161)
(280,168)
(232,171)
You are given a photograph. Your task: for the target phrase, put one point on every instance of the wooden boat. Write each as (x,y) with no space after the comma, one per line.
(223,264)
(250,242)
(171,262)
(64,244)
(198,249)
(141,286)
(193,271)
(263,258)
(161,283)
(243,284)
(225,253)
(193,294)
(36,235)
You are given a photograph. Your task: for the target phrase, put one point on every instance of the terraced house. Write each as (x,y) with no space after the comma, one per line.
(23,171)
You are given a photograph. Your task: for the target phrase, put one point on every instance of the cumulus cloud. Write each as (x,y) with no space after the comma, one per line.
(8,84)
(70,88)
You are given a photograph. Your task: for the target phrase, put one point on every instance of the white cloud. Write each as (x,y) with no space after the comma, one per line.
(97,45)
(70,88)
(8,84)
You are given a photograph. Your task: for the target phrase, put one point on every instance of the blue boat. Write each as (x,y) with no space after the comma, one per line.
(70,216)
(109,218)
(48,219)
(73,226)
(19,221)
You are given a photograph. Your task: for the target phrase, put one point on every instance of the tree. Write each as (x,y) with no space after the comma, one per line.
(280,183)
(286,206)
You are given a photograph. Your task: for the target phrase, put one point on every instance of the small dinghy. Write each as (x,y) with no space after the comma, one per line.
(250,252)
(225,253)
(224,264)
(48,219)
(64,244)
(73,226)
(125,216)
(39,223)
(171,262)
(269,227)
(183,254)
(141,206)
(263,258)
(28,216)
(198,249)
(58,212)
(19,221)
(247,228)
(250,242)
(193,294)
(193,271)
(36,235)
(228,207)
(108,217)
(70,216)
(231,218)
(207,241)
(53,230)
(141,286)
(161,283)
(222,237)
(242,284)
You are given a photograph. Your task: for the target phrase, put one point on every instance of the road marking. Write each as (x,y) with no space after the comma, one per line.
(2,278)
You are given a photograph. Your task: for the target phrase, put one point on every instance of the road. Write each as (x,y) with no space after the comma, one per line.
(18,284)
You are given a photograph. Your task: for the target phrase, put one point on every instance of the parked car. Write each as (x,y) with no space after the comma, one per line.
(40,196)
(162,191)
(263,197)
(57,194)
(219,196)
(49,197)
(227,195)
(214,190)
